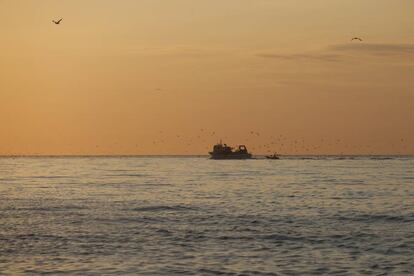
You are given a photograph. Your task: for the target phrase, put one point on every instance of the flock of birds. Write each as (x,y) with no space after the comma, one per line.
(261,143)
(281,142)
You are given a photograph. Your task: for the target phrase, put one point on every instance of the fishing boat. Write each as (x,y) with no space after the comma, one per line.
(273,156)
(222,151)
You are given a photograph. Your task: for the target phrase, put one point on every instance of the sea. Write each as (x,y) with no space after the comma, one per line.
(175,215)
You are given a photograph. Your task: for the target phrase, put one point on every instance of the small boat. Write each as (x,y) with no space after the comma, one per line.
(222,151)
(273,156)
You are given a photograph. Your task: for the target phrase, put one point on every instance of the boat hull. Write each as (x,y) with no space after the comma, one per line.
(230,156)
(272,157)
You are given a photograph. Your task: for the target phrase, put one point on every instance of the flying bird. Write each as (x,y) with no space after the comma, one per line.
(356,38)
(57,22)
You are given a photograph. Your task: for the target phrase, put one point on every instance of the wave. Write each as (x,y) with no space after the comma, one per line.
(379,218)
(161,208)
(382,158)
(49,177)
(49,209)
(280,237)
(126,175)
(8,179)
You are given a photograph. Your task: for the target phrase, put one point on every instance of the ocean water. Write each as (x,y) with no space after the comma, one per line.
(192,215)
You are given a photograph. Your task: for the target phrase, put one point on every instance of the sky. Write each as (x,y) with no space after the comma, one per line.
(176,76)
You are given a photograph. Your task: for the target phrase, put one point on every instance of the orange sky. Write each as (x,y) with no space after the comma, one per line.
(159,77)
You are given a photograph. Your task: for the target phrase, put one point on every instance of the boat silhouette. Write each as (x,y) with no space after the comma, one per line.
(273,156)
(223,151)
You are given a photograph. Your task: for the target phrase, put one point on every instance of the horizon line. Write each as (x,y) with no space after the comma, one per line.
(192,155)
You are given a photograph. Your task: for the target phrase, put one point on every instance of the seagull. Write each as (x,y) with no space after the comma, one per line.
(57,22)
(356,38)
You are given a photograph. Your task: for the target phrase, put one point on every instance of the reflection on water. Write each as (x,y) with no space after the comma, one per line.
(121,215)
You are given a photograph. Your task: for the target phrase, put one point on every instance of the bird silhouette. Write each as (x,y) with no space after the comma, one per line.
(57,22)
(356,38)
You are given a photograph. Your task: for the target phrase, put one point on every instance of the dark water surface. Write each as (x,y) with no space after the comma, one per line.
(104,215)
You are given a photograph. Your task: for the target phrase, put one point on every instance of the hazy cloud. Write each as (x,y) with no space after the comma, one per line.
(306,56)
(342,52)
(180,51)
(375,48)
